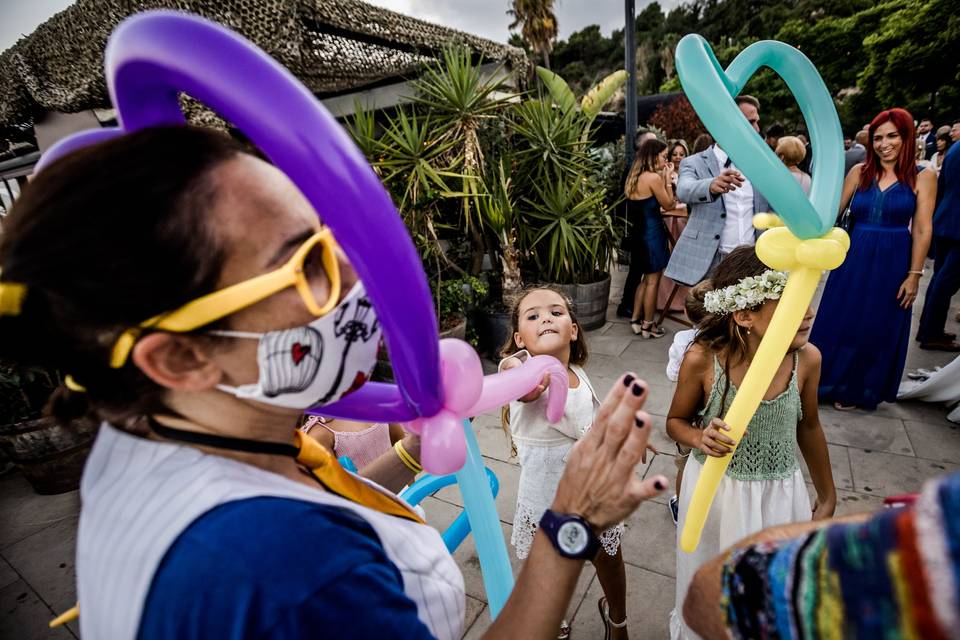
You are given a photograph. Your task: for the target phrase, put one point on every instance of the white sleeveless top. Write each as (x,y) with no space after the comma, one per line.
(528,420)
(139,495)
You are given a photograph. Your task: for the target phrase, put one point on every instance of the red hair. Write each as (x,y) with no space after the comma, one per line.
(906,167)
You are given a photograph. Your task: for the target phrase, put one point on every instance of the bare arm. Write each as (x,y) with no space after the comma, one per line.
(701,608)
(388,470)
(662,188)
(922,232)
(687,401)
(813,444)
(849,187)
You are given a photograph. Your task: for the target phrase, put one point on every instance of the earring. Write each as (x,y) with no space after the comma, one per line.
(748,330)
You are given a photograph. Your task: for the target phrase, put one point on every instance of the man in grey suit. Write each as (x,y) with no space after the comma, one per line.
(721,203)
(857,152)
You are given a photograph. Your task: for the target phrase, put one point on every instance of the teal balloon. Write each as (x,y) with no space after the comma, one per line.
(711,91)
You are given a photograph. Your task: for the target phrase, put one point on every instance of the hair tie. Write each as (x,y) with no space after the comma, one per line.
(11,298)
(73,385)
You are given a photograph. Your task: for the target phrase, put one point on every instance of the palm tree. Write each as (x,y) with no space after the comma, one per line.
(538,25)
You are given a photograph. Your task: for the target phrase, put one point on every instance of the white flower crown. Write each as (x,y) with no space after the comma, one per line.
(746,294)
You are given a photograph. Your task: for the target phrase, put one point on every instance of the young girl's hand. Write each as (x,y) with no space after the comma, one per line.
(512,363)
(824,508)
(713,442)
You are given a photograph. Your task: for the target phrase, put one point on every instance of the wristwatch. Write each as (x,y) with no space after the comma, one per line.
(571,536)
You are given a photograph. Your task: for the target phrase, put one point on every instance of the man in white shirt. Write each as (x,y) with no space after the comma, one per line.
(717,225)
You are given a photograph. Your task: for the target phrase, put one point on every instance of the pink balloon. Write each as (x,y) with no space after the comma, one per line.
(467,393)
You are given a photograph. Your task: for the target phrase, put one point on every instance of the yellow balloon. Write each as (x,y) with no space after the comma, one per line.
(805,260)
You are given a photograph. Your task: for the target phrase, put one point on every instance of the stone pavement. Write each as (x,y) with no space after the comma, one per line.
(890,451)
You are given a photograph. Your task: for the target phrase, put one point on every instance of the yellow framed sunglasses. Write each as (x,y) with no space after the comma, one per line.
(222,303)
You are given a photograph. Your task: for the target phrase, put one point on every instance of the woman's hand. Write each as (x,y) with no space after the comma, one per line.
(599,482)
(823,508)
(713,442)
(908,290)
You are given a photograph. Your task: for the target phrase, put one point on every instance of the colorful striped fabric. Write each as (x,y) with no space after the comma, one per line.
(894,576)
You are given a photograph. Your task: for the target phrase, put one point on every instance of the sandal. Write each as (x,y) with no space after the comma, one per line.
(844,407)
(650,330)
(636,326)
(564,631)
(608,624)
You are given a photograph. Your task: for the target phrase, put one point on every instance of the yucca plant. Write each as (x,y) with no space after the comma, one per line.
(499,211)
(570,230)
(461,99)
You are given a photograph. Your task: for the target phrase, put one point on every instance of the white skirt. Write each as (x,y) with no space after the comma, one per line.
(740,508)
(540,470)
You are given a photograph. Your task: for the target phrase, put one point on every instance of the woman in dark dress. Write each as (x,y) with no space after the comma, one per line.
(648,188)
(863,323)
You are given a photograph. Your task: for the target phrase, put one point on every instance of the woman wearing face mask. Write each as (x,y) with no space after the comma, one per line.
(199,307)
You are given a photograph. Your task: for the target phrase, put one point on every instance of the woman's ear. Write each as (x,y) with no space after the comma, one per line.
(744,318)
(176,362)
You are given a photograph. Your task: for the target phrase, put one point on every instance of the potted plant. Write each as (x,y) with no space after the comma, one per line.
(568,228)
(50,455)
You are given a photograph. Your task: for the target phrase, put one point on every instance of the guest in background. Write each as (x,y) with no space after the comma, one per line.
(955,131)
(926,139)
(857,152)
(774,133)
(721,202)
(790,150)
(943,145)
(625,308)
(847,142)
(676,152)
(648,189)
(946,269)
(704,140)
(807,164)
(863,324)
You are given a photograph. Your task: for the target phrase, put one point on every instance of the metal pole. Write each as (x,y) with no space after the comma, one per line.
(630,61)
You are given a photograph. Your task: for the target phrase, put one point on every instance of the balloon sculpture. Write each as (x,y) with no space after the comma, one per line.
(809,243)
(151,58)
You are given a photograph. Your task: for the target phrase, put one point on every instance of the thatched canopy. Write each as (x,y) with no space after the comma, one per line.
(333,46)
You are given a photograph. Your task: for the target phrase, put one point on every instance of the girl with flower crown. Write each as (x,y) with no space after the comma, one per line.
(763,486)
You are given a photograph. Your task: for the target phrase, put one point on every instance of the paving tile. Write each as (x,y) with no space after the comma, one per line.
(650,598)
(23,512)
(492,439)
(865,430)
(932,412)
(650,539)
(663,463)
(935,441)
(885,474)
(839,464)
(45,561)
(506,501)
(657,350)
(608,345)
(475,608)
(7,574)
(24,616)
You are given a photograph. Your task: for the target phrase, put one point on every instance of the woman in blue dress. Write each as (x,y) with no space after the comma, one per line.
(863,323)
(648,188)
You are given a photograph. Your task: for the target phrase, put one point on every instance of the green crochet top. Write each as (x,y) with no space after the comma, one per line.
(768,449)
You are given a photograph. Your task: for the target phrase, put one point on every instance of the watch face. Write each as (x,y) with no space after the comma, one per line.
(573,537)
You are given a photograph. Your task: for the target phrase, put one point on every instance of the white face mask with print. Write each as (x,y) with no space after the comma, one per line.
(315,364)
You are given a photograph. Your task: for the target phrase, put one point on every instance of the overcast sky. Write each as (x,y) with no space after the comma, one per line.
(487,18)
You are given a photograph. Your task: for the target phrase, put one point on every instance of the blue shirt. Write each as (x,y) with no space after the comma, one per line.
(278,568)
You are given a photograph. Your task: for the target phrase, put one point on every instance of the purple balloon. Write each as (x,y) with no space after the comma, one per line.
(153,56)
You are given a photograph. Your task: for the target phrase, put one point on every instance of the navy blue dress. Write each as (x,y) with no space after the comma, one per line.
(860,327)
(649,249)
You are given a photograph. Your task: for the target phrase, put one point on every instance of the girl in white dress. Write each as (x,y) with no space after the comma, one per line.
(763,486)
(543,323)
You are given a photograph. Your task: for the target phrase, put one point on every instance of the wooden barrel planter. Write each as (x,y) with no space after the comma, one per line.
(492,327)
(51,456)
(589,301)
